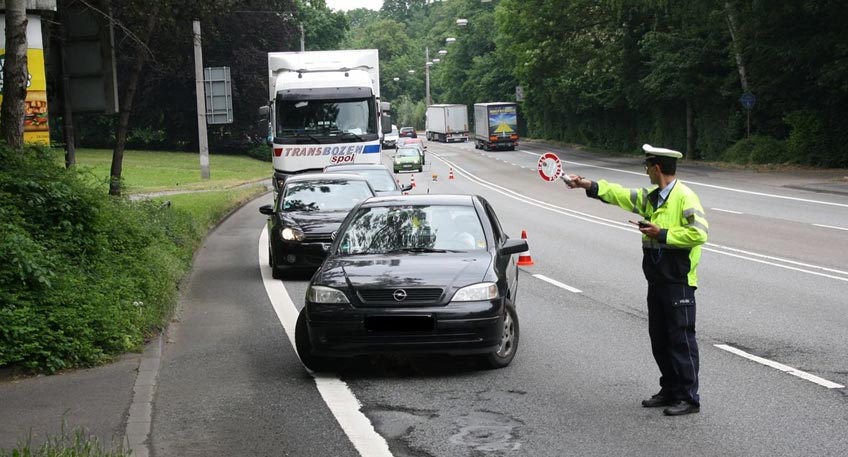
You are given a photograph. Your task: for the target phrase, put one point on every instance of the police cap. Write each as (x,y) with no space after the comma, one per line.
(652,151)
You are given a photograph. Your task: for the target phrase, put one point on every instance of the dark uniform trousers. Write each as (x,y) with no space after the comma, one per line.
(671,325)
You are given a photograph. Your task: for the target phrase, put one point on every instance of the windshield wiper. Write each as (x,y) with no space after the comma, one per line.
(358,138)
(415,250)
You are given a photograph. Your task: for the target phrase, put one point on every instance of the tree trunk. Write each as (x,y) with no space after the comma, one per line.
(126,104)
(733,25)
(15,72)
(67,109)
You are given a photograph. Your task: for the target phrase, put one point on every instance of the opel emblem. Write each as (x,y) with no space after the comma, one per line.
(399,295)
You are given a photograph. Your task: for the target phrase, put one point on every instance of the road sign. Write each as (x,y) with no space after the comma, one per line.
(550,168)
(219,98)
(519,94)
(748,100)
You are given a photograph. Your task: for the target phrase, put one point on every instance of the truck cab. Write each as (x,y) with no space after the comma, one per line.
(324,109)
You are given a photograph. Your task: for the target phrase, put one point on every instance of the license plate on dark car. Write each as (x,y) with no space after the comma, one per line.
(399,323)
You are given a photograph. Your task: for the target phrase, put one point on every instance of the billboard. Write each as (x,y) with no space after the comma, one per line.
(36,128)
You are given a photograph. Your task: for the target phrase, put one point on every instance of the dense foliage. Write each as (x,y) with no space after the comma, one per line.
(619,73)
(612,73)
(84,276)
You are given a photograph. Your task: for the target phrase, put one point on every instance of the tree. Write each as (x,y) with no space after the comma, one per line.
(14,82)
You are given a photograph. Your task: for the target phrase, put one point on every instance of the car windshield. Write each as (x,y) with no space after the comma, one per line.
(407,152)
(321,121)
(424,228)
(380,180)
(324,195)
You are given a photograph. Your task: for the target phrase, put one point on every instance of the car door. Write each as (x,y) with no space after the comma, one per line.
(505,265)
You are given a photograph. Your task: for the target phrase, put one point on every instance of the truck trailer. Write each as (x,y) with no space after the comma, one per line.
(324,108)
(496,126)
(447,122)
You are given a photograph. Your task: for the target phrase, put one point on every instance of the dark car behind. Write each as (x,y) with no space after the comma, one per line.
(308,209)
(414,274)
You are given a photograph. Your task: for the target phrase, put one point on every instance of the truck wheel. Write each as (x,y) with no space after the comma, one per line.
(304,346)
(509,340)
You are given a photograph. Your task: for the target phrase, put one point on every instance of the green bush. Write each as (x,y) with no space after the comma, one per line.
(817,139)
(85,276)
(757,149)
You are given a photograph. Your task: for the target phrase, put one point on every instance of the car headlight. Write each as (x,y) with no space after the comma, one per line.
(477,292)
(322,294)
(292,234)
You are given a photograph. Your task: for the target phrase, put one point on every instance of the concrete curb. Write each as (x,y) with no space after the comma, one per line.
(140,418)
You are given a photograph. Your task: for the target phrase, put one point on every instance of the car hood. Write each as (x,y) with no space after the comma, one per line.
(316,221)
(444,270)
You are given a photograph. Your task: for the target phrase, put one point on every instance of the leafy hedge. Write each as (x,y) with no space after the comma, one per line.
(85,276)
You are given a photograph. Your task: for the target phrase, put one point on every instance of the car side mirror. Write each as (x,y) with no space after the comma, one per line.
(267,210)
(511,246)
(406,188)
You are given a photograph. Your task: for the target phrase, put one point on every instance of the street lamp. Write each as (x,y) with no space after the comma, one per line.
(450,40)
(462,22)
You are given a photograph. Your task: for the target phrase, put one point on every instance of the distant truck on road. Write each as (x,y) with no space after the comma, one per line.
(446,123)
(324,108)
(496,126)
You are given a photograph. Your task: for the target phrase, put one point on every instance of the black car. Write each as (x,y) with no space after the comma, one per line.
(378,175)
(306,212)
(414,274)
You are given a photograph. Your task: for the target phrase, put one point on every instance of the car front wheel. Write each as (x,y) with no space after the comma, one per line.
(509,340)
(304,346)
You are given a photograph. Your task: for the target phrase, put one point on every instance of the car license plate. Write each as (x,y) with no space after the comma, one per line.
(419,323)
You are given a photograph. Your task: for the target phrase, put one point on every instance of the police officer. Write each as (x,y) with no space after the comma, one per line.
(673,229)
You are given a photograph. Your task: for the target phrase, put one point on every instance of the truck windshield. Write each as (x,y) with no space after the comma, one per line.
(326,121)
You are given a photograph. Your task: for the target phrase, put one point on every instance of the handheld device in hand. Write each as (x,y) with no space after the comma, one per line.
(641,224)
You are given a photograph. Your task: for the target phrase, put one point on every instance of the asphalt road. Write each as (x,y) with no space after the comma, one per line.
(772,285)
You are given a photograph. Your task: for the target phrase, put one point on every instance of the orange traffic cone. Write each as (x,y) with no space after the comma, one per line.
(412,181)
(524,259)
(450,176)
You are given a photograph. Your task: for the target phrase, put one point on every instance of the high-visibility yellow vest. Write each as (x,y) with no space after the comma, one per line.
(673,256)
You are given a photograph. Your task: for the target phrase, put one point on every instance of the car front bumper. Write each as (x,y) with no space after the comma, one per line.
(456,329)
(300,255)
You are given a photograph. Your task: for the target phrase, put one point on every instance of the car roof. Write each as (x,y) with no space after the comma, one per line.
(355,166)
(414,140)
(325,177)
(421,199)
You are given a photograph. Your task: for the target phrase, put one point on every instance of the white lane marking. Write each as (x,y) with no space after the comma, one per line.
(779,366)
(725,211)
(335,392)
(831,227)
(729,189)
(558,284)
(710,247)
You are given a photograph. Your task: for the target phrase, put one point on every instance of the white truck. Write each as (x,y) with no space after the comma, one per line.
(446,123)
(324,108)
(496,126)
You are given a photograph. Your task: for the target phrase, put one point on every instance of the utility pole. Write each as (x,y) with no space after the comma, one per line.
(302,39)
(202,139)
(427,74)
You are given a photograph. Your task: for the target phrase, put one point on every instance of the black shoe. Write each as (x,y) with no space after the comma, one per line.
(680,408)
(656,401)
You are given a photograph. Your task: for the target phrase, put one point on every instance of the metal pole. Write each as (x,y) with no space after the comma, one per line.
(427,74)
(202,139)
(302,39)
